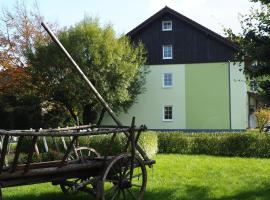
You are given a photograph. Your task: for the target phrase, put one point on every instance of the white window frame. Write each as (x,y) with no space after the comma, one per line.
(163,80)
(163,52)
(163,111)
(165,28)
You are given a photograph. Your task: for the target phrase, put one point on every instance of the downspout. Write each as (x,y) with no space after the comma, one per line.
(248,111)
(230,105)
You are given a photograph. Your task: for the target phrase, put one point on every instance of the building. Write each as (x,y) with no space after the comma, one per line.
(194,82)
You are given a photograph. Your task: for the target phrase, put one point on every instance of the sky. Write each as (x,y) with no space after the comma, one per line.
(125,15)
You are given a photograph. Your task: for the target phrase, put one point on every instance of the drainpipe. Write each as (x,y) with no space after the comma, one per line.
(230,105)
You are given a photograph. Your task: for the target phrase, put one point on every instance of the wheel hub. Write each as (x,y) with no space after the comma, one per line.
(124,184)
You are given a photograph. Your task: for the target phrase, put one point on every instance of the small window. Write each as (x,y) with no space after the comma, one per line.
(166,25)
(167,51)
(167,113)
(254,86)
(167,80)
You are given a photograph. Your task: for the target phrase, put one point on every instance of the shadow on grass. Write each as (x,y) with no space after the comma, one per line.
(48,196)
(190,193)
(203,193)
(262,194)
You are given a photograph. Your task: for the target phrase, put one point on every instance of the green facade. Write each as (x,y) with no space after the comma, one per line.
(207,96)
(203,96)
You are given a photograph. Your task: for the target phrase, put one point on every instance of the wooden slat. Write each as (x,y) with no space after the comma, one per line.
(138,136)
(101,116)
(70,147)
(52,170)
(100,131)
(4,152)
(30,154)
(17,155)
(110,146)
(132,142)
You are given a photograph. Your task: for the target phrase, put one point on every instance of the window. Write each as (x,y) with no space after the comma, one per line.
(167,80)
(254,85)
(167,113)
(166,25)
(167,51)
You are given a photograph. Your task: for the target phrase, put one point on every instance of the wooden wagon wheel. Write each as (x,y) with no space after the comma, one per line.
(85,152)
(119,181)
(69,188)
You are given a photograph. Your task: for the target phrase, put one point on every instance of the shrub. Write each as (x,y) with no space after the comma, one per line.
(242,144)
(148,142)
(102,142)
(263,117)
(172,142)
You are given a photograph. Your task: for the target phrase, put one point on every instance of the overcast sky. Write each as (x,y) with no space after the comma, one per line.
(124,15)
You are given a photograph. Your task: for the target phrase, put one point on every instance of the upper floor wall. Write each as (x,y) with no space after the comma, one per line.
(190,41)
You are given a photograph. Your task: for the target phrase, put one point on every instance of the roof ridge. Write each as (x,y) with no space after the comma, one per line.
(186,20)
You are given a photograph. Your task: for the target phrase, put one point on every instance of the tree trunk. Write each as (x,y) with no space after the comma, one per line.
(73,115)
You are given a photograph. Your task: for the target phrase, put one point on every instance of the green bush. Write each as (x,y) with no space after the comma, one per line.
(148,142)
(102,142)
(242,144)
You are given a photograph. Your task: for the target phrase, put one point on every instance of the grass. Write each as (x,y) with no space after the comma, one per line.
(182,177)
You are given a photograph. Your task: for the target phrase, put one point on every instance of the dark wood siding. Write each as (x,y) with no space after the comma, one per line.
(190,45)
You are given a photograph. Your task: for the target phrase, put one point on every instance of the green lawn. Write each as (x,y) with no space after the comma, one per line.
(183,177)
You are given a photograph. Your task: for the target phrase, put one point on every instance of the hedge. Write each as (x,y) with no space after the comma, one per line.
(148,141)
(242,144)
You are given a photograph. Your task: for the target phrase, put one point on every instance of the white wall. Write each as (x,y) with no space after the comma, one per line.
(239,98)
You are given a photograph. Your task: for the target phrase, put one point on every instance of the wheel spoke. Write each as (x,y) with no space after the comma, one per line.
(112,181)
(123,181)
(125,170)
(125,164)
(124,194)
(131,193)
(112,191)
(116,172)
(116,195)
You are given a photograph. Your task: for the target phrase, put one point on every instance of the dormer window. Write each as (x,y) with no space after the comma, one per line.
(166,25)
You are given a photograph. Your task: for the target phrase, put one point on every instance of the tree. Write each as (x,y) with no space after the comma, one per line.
(255,44)
(20,32)
(113,65)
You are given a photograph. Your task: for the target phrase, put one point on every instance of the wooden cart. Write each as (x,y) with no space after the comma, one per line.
(106,177)
(121,176)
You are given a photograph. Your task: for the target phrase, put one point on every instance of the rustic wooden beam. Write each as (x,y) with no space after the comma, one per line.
(70,147)
(138,136)
(4,152)
(52,170)
(17,155)
(133,147)
(110,146)
(87,132)
(30,154)
(101,116)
